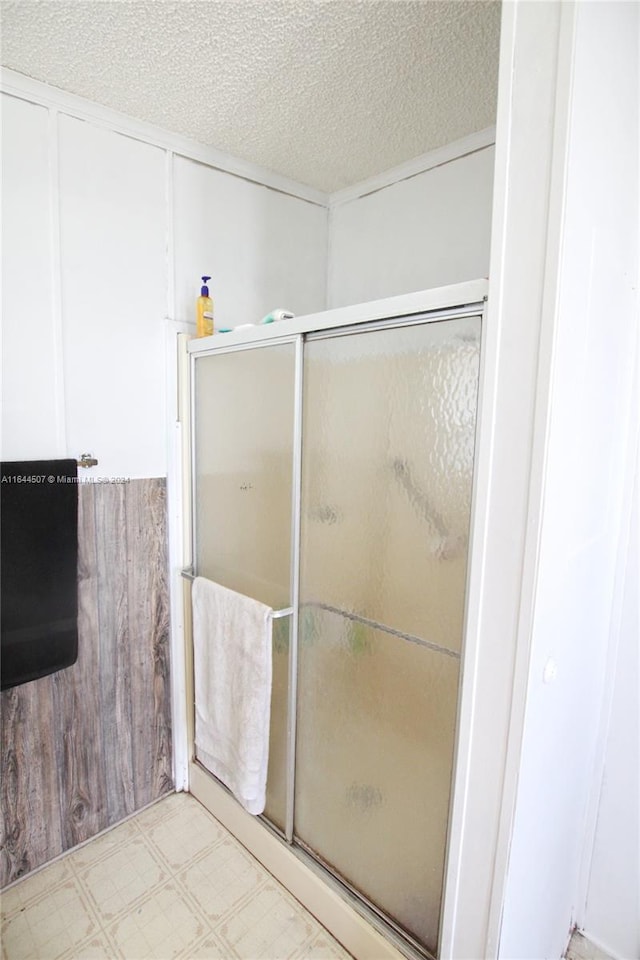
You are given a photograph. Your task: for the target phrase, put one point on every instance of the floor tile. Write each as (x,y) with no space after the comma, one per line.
(220,880)
(323,947)
(186,833)
(35,885)
(97,947)
(580,948)
(18,942)
(50,923)
(269,926)
(162,925)
(168,884)
(120,878)
(158,812)
(211,948)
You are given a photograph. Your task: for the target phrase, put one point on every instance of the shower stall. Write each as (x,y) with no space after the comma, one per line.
(331,472)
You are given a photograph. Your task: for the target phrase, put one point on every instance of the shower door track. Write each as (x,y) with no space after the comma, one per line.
(363,927)
(384,923)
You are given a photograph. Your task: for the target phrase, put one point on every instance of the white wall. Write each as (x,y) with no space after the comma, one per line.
(32,404)
(611,917)
(587,418)
(263,249)
(429,230)
(112,262)
(105,236)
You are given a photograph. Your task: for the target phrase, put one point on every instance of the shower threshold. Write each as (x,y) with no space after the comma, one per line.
(363,929)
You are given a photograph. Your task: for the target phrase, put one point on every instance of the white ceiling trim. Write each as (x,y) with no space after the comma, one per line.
(35,91)
(426,161)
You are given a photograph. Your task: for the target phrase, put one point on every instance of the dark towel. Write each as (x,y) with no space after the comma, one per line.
(38,568)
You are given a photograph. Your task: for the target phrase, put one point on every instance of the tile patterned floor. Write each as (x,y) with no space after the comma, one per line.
(582,949)
(169,884)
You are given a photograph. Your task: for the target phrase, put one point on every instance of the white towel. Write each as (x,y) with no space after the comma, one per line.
(232,666)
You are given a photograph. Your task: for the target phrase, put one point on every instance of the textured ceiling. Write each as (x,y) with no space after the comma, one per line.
(328,92)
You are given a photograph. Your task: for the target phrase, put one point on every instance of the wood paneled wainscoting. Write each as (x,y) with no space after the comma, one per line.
(85,747)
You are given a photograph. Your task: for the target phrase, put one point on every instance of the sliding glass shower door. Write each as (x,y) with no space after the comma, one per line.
(333,471)
(244,403)
(388,441)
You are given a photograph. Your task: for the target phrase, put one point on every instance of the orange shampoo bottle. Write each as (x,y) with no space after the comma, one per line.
(204,311)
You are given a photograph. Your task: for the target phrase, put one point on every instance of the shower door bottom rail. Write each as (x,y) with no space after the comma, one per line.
(402,939)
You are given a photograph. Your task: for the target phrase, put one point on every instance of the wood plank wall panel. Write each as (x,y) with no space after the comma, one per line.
(82,780)
(29,789)
(148,610)
(84,747)
(115,681)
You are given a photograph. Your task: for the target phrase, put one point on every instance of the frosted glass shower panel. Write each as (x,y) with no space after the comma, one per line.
(376,729)
(388,446)
(389,427)
(243,433)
